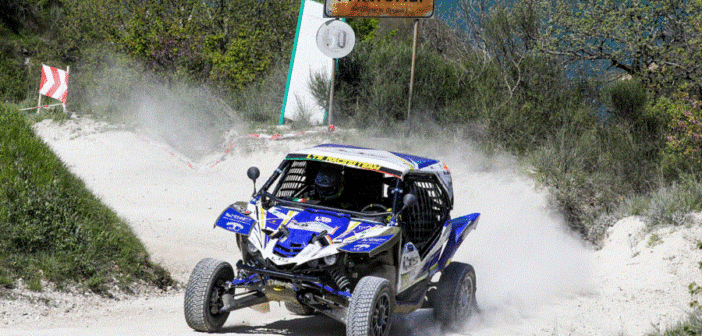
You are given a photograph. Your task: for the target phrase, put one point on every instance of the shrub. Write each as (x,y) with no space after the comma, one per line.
(13,77)
(670,205)
(260,102)
(373,83)
(626,99)
(683,147)
(692,326)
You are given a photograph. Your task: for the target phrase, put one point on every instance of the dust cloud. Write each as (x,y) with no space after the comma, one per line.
(192,119)
(522,251)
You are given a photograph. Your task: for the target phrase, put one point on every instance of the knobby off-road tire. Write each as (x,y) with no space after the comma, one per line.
(371,308)
(203,295)
(454,300)
(298,309)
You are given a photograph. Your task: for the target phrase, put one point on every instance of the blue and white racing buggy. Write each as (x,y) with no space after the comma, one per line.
(353,233)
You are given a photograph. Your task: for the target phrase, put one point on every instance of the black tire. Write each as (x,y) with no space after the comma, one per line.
(454,299)
(371,308)
(299,309)
(203,295)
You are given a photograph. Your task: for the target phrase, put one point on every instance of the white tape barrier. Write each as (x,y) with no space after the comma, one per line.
(213,163)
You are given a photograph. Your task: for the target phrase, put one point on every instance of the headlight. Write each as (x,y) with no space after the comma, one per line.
(330,259)
(250,247)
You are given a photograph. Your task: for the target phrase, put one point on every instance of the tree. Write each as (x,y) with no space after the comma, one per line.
(656,40)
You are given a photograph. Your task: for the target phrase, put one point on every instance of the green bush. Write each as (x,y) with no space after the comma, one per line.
(13,74)
(52,227)
(261,102)
(692,326)
(626,99)
(591,167)
(373,83)
(671,204)
(683,148)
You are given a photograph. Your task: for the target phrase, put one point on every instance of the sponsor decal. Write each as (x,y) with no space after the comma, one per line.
(276,258)
(409,247)
(408,262)
(322,219)
(234,221)
(378,240)
(347,162)
(310,226)
(360,247)
(273,223)
(234,226)
(366,244)
(354,229)
(237,218)
(410,258)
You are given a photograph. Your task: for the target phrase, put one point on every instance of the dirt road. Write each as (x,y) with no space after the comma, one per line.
(533,277)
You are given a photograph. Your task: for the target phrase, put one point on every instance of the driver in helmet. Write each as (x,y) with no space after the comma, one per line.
(329,188)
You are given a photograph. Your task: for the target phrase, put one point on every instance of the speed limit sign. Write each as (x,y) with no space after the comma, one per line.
(335,38)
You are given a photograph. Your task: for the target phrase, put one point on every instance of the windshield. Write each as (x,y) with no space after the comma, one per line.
(358,192)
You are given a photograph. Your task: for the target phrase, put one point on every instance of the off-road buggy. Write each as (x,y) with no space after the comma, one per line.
(358,261)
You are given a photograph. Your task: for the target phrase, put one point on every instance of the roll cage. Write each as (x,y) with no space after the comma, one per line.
(422,223)
(292,185)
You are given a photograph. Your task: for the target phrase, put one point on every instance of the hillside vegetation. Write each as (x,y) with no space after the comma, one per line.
(52,228)
(602,98)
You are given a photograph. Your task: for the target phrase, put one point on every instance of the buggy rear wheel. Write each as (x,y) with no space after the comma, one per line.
(454,300)
(371,308)
(203,295)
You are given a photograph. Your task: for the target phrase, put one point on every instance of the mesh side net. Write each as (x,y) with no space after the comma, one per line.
(425,219)
(294,181)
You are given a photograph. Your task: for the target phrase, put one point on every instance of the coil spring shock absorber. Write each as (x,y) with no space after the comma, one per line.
(340,279)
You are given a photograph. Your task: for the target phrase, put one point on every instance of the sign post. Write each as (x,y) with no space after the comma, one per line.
(385,9)
(335,38)
(414,57)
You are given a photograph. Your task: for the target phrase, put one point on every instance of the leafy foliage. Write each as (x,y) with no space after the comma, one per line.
(224,44)
(658,41)
(11,73)
(683,149)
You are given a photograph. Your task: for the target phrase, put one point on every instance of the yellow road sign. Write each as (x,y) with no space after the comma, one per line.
(379,8)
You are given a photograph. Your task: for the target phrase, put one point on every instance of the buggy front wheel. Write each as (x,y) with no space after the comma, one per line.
(371,308)
(204,295)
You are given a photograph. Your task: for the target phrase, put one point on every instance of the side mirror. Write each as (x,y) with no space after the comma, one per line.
(409,200)
(253,173)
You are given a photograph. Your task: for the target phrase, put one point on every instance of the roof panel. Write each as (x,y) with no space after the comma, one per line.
(366,158)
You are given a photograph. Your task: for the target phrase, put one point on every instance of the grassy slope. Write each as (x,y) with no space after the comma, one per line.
(52,228)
